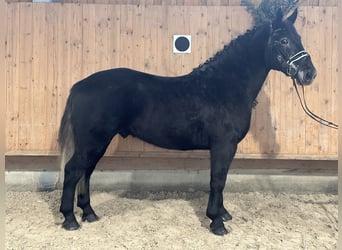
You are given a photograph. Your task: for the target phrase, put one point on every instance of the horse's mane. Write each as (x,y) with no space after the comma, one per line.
(233,51)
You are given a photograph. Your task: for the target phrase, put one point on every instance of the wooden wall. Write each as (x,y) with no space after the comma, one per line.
(50,46)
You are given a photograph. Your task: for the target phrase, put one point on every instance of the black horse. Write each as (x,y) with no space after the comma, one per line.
(209,108)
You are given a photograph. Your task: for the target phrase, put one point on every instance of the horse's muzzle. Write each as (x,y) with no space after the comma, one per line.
(306,76)
(300,67)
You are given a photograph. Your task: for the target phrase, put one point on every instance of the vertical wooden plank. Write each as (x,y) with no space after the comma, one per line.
(314,38)
(89,39)
(213,27)
(187,59)
(164,39)
(51,89)
(44,85)
(338,30)
(75,41)
(12,89)
(323,100)
(3,79)
(176,26)
(151,39)
(274,141)
(114,35)
(25,80)
(64,52)
(40,108)
(126,36)
(287,97)
(261,131)
(62,66)
(101,38)
(70,50)
(3,82)
(199,17)
(334,135)
(327,99)
(138,48)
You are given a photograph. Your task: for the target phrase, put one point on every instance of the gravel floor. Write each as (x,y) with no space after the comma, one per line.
(174,220)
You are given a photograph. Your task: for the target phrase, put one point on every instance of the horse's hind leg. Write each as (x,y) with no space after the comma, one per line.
(83,198)
(71,177)
(88,152)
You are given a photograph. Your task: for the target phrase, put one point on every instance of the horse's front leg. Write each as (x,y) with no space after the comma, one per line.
(221,155)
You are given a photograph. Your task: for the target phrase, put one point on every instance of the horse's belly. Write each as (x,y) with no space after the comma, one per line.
(171,136)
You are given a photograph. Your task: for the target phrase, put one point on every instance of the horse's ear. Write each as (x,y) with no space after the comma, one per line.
(279,16)
(278,19)
(293,16)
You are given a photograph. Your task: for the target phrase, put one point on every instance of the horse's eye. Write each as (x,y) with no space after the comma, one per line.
(284,41)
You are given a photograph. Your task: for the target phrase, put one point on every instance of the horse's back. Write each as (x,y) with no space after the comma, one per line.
(109,79)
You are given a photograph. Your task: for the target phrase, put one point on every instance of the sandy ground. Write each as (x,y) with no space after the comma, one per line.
(174,220)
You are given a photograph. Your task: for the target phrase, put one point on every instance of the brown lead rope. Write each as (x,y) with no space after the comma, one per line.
(309,112)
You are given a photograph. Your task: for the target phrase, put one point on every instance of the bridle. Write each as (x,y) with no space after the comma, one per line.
(308,111)
(291,71)
(291,68)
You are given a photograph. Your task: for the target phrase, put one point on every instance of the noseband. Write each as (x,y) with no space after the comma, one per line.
(291,68)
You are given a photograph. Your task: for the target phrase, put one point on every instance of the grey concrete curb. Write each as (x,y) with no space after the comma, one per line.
(238,181)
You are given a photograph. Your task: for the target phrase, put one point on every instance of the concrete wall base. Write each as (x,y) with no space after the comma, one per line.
(183,180)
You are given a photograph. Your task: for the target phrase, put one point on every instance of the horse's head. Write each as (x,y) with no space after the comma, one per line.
(286,53)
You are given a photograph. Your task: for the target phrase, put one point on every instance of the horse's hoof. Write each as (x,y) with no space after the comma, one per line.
(218,229)
(71,225)
(90,218)
(226,216)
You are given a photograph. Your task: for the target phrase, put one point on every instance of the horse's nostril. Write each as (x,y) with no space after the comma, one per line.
(310,75)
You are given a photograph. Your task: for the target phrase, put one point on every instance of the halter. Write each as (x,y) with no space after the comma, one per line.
(291,68)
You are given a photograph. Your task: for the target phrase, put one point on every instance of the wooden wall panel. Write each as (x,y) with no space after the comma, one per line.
(51,46)
(3,80)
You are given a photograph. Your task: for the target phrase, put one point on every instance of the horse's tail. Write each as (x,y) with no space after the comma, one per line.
(66,138)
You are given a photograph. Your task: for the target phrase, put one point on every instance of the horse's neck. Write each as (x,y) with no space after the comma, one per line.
(242,62)
(250,60)
(254,77)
